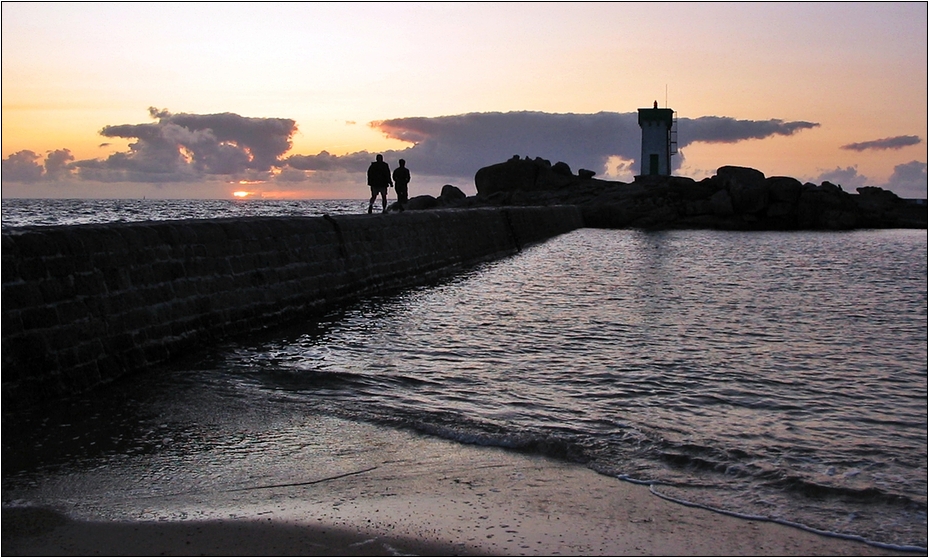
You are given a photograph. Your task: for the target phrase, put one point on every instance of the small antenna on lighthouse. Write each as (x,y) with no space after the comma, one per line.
(666,95)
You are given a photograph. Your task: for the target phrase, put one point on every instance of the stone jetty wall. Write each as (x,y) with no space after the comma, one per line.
(85,304)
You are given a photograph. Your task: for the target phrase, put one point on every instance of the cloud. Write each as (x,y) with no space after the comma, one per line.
(24,166)
(723,129)
(459,145)
(182,147)
(896,142)
(57,164)
(848,178)
(325,161)
(909,180)
(189,147)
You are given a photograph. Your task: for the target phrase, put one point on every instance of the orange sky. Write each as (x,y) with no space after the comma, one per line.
(858,71)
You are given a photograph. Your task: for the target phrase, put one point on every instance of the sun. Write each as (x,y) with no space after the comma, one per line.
(242,194)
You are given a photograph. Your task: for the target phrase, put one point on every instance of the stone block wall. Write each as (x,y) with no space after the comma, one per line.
(82,305)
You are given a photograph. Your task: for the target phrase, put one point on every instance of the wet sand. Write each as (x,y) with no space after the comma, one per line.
(396,493)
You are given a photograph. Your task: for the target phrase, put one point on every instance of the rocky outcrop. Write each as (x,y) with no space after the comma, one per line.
(526,175)
(735,198)
(451,196)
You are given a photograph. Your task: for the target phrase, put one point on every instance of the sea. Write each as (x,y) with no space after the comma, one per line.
(769,375)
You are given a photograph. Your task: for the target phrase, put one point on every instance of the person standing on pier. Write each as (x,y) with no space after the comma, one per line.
(401,182)
(379,181)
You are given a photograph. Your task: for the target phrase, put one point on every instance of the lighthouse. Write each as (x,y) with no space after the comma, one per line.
(659,140)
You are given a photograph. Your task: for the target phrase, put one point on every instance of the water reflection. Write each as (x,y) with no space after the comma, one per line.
(725,364)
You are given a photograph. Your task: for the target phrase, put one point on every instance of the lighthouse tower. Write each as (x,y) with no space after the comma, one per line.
(659,140)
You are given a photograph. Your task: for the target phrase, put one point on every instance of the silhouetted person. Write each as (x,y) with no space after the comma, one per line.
(379,181)
(401,182)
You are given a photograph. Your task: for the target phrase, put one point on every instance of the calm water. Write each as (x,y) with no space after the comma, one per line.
(773,374)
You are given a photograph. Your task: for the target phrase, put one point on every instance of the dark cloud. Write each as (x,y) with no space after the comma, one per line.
(896,142)
(25,166)
(723,129)
(848,178)
(909,180)
(190,147)
(459,145)
(324,161)
(22,166)
(184,147)
(57,164)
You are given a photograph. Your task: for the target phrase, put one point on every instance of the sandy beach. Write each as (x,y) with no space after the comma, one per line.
(399,493)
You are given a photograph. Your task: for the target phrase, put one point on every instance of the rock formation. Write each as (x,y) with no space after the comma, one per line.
(735,198)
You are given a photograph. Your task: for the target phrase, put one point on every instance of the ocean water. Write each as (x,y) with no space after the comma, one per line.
(775,375)
(16,212)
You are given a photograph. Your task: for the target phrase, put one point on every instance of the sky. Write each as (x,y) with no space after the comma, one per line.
(293,100)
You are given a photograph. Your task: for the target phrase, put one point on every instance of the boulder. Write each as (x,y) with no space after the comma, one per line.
(781,210)
(746,186)
(522,175)
(884,209)
(878,197)
(748,199)
(826,207)
(562,169)
(721,204)
(515,174)
(832,188)
(743,176)
(451,194)
(736,198)
(422,202)
(689,189)
(784,189)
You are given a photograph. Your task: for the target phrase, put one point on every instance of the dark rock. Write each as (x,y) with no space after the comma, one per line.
(832,188)
(884,209)
(736,198)
(826,207)
(783,189)
(658,218)
(689,189)
(515,174)
(521,174)
(422,202)
(607,216)
(721,204)
(873,195)
(746,186)
(743,176)
(698,207)
(544,163)
(748,199)
(562,169)
(781,210)
(585,174)
(451,194)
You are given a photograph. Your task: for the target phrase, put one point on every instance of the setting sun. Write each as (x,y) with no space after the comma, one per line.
(241,194)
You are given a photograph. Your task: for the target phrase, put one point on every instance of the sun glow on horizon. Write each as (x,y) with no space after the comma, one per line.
(242,194)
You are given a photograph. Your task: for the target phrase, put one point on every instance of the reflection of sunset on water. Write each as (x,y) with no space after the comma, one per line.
(276,194)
